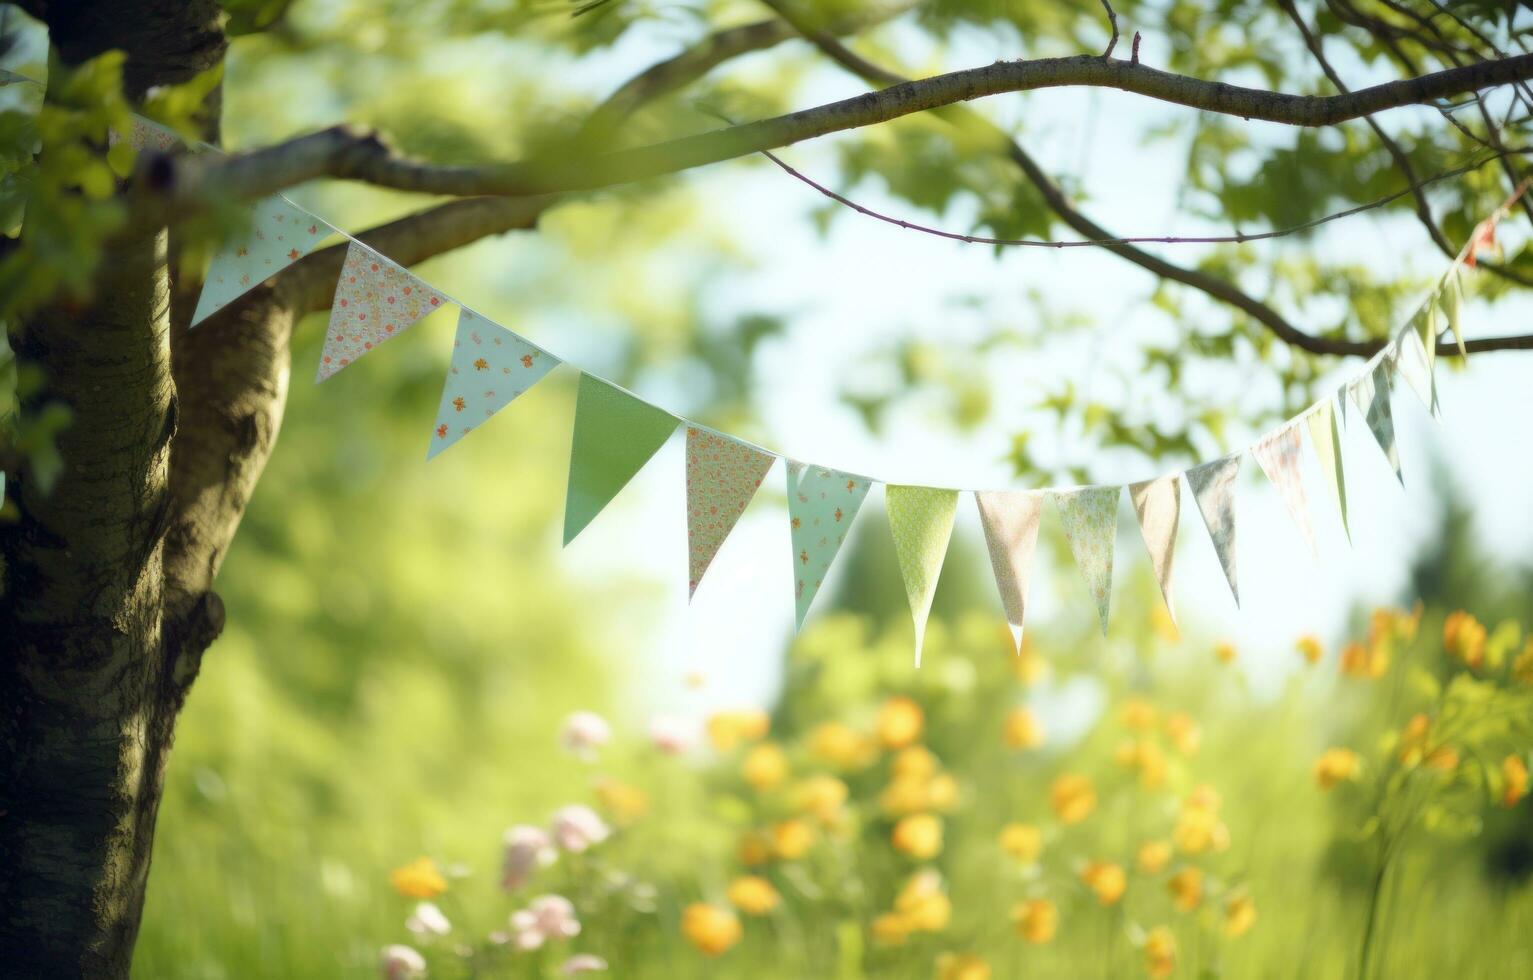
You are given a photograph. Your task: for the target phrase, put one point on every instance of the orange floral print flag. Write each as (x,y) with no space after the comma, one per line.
(1278,456)
(723,474)
(491,366)
(375,301)
(280,234)
(1090,518)
(1158,505)
(1010,519)
(821,505)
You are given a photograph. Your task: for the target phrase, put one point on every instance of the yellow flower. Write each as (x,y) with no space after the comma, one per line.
(753,895)
(418,879)
(942,793)
(729,729)
(1224,653)
(905,796)
(765,767)
(962,966)
(1355,660)
(755,849)
(1336,766)
(1198,828)
(1153,856)
(1310,649)
(1464,638)
(1072,797)
(712,929)
(1515,772)
(1022,841)
(1239,915)
(1106,879)
(1138,714)
(791,839)
(1036,920)
(1444,758)
(841,747)
(1186,889)
(899,722)
(1022,730)
(1146,757)
(1160,952)
(913,762)
(918,835)
(623,803)
(1522,667)
(922,903)
(1411,745)
(821,796)
(1184,733)
(890,929)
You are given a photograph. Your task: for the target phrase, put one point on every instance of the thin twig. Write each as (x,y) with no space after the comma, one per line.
(1112,20)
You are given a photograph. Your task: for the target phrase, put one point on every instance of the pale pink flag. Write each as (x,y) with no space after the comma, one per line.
(1158,505)
(1278,455)
(375,301)
(1010,519)
(723,474)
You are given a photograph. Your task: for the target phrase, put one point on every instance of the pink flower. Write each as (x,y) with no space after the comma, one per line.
(585,732)
(548,917)
(577,827)
(427,920)
(583,963)
(401,963)
(527,850)
(669,735)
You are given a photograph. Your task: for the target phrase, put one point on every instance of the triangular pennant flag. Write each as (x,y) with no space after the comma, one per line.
(149,135)
(1326,438)
(921,519)
(280,234)
(375,301)
(1453,305)
(1213,487)
(1278,456)
(491,366)
(1158,505)
(1370,394)
(615,435)
(1415,365)
(1010,519)
(821,505)
(1090,518)
(723,474)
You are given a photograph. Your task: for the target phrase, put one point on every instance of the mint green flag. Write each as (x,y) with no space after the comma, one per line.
(1326,440)
(921,519)
(1090,519)
(615,435)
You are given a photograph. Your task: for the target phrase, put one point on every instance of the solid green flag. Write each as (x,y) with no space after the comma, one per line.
(921,519)
(615,435)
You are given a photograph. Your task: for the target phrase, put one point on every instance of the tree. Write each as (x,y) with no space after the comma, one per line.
(138,443)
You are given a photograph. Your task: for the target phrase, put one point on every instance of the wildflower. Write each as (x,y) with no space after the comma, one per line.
(1106,879)
(923,904)
(755,849)
(625,804)
(1356,661)
(1522,667)
(1309,648)
(1464,638)
(889,928)
(401,963)
(913,762)
(753,895)
(1160,952)
(669,735)
(1411,744)
(711,929)
(1138,715)
(418,879)
(1036,920)
(765,767)
(841,747)
(903,796)
(1153,856)
(918,835)
(1146,757)
(1072,797)
(1444,758)
(1336,766)
(899,722)
(791,839)
(1022,841)
(1184,733)
(427,920)
(962,966)
(1198,828)
(547,917)
(1515,772)
(728,729)
(585,733)
(583,963)
(821,796)
(576,828)
(1239,915)
(1022,730)
(1224,653)
(942,793)
(1186,888)
(527,849)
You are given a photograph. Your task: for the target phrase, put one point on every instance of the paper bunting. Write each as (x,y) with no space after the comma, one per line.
(1326,440)
(149,135)
(1010,520)
(1090,518)
(1278,455)
(921,519)
(1453,305)
(723,474)
(280,234)
(821,505)
(615,435)
(1414,363)
(375,301)
(1158,505)
(491,367)
(1213,487)
(1370,394)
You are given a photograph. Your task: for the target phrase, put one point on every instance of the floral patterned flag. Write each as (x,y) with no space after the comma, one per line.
(280,234)
(921,519)
(1326,439)
(1370,394)
(375,301)
(1213,487)
(1414,363)
(1158,505)
(615,435)
(1010,519)
(821,505)
(723,474)
(1278,456)
(1090,518)
(491,366)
